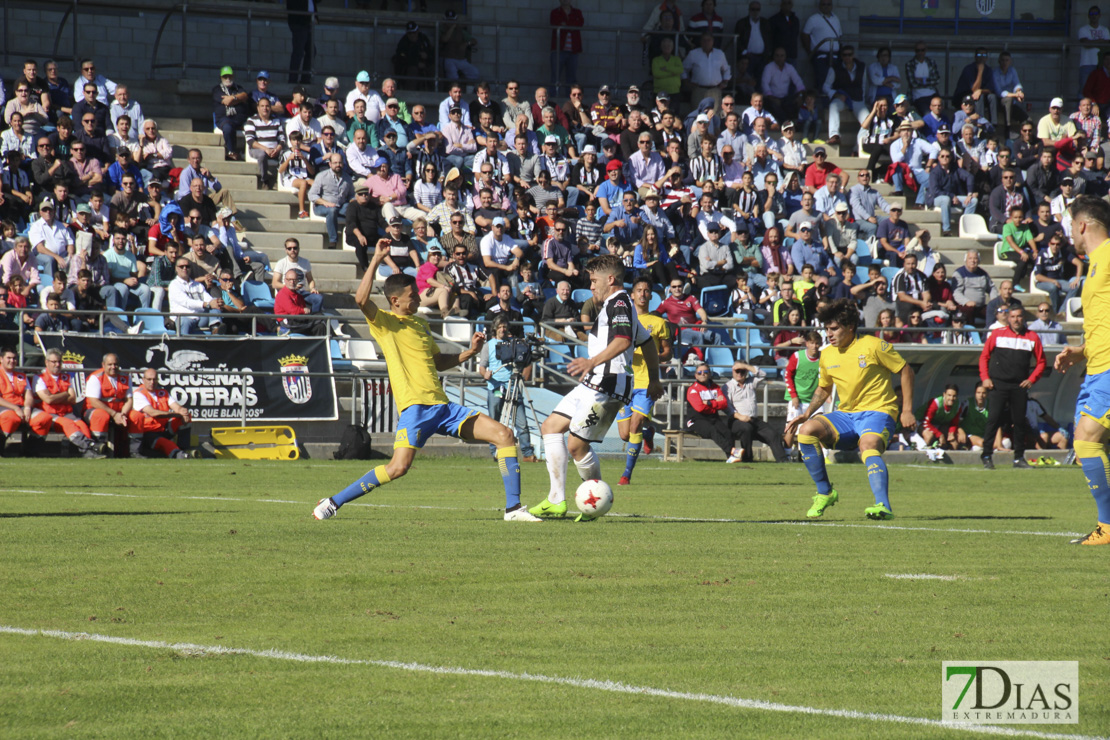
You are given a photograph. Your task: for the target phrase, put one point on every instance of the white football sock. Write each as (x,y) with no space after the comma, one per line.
(589,467)
(555,449)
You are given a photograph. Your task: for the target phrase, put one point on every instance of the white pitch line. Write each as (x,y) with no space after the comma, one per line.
(629,515)
(578,683)
(18,490)
(921,577)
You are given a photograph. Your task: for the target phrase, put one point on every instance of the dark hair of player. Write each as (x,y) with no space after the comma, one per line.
(608,264)
(395,285)
(842,311)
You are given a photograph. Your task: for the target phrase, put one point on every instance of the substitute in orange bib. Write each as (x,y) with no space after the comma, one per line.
(16,401)
(56,398)
(155,419)
(107,397)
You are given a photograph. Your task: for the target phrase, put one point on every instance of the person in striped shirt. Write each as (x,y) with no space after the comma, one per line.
(708,168)
(265,141)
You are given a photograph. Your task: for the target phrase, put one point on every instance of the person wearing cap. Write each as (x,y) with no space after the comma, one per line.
(707,70)
(396,250)
(968,116)
(50,237)
(455,41)
(585,178)
(500,254)
(653,215)
(1059,132)
(265,141)
(400,162)
(262,90)
(231,106)
(1011,91)
(781,85)
(123,165)
(413,57)
(977,80)
(610,192)
(392,121)
(819,170)
(363,92)
(715,260)
(841,236)
(605,113)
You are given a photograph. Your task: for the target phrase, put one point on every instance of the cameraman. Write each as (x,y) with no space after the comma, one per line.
(497,374)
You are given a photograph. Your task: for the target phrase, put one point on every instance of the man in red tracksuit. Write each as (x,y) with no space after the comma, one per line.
(56,398)
(1004,370)
(707,413)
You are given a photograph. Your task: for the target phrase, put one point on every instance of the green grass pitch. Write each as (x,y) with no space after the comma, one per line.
(704,580)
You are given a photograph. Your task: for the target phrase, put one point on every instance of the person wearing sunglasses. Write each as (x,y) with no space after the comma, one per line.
(105,88)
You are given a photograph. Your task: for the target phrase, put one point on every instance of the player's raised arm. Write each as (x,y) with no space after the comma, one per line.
(362,294)
(446,361)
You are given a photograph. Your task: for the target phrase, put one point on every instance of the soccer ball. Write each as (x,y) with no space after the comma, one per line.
(594,498)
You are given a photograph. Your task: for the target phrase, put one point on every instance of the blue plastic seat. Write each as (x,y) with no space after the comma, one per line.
(558,355)
(581,295)
(257,294)
(152,322)
(715,300)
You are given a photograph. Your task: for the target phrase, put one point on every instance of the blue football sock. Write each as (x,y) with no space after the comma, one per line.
(362,486)
(815,462)
(509,466)
(877,476)
(635,444)
(1096,466)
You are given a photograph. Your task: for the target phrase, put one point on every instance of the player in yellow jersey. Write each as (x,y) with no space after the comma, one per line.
(632,419)
(1089,226)
(860,367)
(414,363)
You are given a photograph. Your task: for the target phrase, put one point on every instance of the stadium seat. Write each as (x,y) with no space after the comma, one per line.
(715,300)
(654,302)
(974,226)
(863,253)
(109,327)
(581,350)
(363,354)
(558,355)
(257,294)
(458,330)
(1074,305)
(151,321)
(720,360)
(889,273)
(581,295)
(339,363)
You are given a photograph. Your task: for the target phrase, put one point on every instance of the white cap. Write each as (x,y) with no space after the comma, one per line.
(589,149)
(702,118)
(1056,103)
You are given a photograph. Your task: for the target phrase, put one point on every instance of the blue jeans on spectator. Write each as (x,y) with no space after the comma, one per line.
(494,403)
(194,323)
(922,177)
(331,217)
(453,68)
(945,204)
(230,126)
(121,295)
(315,301)
(564,64)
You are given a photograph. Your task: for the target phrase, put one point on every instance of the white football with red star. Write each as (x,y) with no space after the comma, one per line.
(594,498)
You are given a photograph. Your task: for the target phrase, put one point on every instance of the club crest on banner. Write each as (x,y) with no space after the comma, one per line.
(985,7)
(72,362)
(295,380)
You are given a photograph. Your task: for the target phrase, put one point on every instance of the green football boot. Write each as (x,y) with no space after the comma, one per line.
(878,511)
(547,510)
(822,502)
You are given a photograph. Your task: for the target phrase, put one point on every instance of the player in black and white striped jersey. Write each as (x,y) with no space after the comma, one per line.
(605,385)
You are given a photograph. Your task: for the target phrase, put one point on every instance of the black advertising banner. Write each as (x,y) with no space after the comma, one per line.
(182,361)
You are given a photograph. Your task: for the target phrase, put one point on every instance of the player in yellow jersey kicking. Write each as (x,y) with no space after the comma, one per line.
(1089,226)
(414,363)
(633,418)
(861,369)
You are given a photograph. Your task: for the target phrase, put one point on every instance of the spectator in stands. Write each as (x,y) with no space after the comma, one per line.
(566,45)
(741,393)
(155,152)
(50,237)
(414,57)
(1042,178)
(971,289)
(1017,245)
(192,305)
(950,187)
(1050,274)
(307,282)
(396,250)
(685,311)
(844,84)
(1011,92)
(297,172)
(265,141)
(1004,299)
(821,39)
(1004,197)
(1097,87)
(88,169)
(863,200)
(501,257)
(781,86)
(977,81)
(156,421)
(466,280)
(123,270)
(707,70)
(59,91)
(161,275)
(33,115)
(231,106)
(364,220)
(1091,37)
(707,413)
(883,78)
(199,200)
(56,399)
(48,166)
(909,291)
(330,194)
(923,78)
(433,288)
(877,132)
(89,105)
(455,43)
(1047,328)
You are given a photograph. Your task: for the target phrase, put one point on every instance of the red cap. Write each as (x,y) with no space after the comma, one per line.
(613,164)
